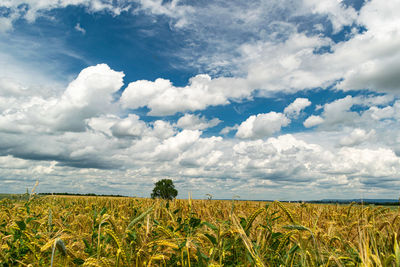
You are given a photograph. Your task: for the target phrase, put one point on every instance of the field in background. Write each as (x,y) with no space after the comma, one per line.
(15,196)
(106,231)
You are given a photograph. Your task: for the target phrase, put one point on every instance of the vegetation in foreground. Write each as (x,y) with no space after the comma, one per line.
(105,231)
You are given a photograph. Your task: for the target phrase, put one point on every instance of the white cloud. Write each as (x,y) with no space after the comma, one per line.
(173,146)
(216,30)
(262,125)
(5,24)
(102,124)
(10,87)
(380,113)
(368,60)
(196,122)
(32,9)
(162,98)
(294,109)
(229,129)
(89,95)
(313,121)
(131,127)
(372,55)
(340,112)
(356,137)
(162,129)
(94,86)
(205,154)
(289,66)
(337,12)
(79,28)
(114,153)
(22,76)
(368,163)
(173,9)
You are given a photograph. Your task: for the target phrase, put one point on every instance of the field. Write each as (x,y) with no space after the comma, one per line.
(106,231)
(15,196)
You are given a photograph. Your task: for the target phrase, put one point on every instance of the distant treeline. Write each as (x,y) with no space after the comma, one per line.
(381,202)
(364,202)
(77,194)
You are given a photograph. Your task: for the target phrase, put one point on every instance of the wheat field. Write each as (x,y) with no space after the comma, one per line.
(107,231)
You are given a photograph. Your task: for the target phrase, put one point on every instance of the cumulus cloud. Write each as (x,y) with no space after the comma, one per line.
(162,129)
(288,66)
(313,121)
(368,163)
(229,129)
(170,148)
(377,113)
(291,161)
(131,127)
(89,95)
(102,124)
(115,152)
(374,59)
(262,125)
(162,98)
(338,13)
(294,109)
(196,122)
(356,137)
(338,112)
(342,112)
(11,88)
(93,87)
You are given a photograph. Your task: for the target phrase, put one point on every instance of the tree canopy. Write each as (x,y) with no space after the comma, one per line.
(164,189)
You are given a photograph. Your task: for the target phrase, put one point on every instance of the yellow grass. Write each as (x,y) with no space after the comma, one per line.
(107,231)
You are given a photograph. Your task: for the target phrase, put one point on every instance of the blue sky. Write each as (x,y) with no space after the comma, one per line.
(261,99)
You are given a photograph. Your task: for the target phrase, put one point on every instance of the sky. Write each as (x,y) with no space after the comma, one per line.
(257,99)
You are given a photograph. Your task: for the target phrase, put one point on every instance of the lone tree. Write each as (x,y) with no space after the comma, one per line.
(164,189)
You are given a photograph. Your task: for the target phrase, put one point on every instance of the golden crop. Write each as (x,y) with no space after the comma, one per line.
(106,231)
